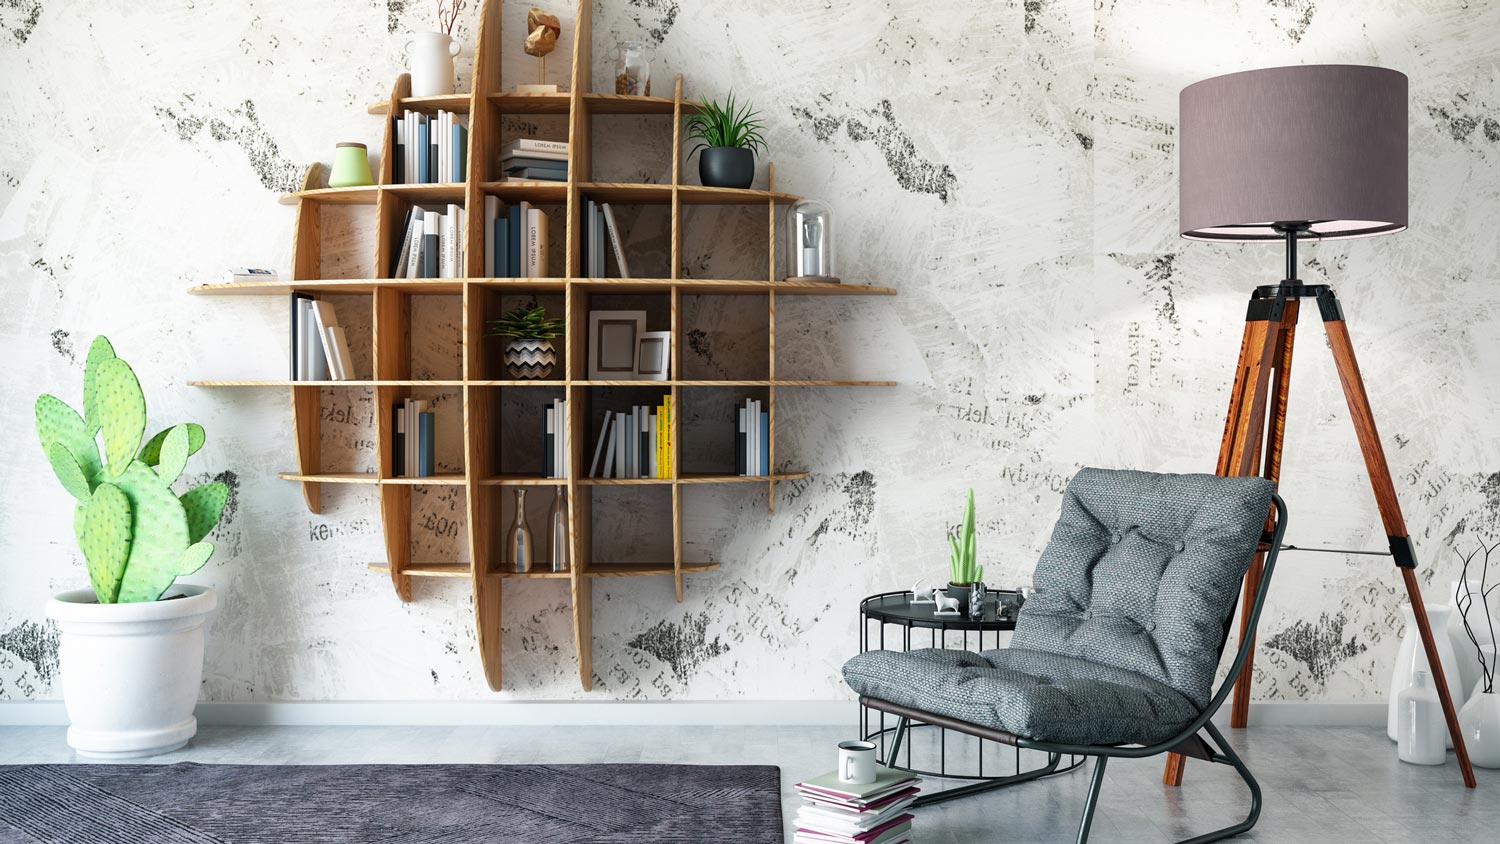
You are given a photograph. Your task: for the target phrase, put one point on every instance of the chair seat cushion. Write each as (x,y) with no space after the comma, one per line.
(1028,693)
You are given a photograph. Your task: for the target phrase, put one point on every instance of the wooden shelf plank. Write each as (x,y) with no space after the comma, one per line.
(443,479)
(623,481)
(643,569)
(521,480)
(633,104)
(457,570)
(689,286)
(329,286)
(443,192)
(695,478)
(427,105)
(275,383)
(509,102)
(535,575)
(544,192)
(331,477)
(543,383)
(655,194)
(359,195)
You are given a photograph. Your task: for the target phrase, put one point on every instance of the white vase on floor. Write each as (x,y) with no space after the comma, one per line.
(1420,728)
(1412,657)
(1480,721)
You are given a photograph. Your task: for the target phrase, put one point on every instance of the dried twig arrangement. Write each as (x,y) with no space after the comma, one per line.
(447,13)
(1466,600)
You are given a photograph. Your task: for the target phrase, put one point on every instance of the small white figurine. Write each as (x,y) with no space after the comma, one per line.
(945,605)
(921,593)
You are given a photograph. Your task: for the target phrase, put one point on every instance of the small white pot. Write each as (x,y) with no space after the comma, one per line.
(432,55)
(1480,719)
(131,672)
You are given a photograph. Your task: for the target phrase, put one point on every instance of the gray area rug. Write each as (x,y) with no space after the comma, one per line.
(188,803)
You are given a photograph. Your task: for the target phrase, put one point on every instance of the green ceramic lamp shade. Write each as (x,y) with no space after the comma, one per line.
(351,166)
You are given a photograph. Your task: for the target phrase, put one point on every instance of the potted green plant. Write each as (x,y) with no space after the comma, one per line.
(530,353)
(729,137)
(963,567)
(132,646)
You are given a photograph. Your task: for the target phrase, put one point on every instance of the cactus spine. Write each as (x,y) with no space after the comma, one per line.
(136,534)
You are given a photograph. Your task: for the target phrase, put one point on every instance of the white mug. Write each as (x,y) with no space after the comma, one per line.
(857,762)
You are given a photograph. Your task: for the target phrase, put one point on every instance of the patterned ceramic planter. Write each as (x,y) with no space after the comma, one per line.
(530,358)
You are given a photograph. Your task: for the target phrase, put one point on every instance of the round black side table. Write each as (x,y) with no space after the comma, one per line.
(952,632)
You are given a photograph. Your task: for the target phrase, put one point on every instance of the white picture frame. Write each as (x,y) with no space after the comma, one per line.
(613,343)
(653,357)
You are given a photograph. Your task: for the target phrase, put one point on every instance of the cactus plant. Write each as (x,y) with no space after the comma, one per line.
(963,560)
(137,535)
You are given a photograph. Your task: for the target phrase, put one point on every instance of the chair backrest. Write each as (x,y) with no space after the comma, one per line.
(1143,570)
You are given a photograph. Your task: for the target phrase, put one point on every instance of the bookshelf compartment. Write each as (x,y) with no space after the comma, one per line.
(517,433)
(725,338)
(725,242)
(632,526)
(707,427)
(597,401)
(448,442)
(659,316)
(439,524)
(490,303)
(645,233)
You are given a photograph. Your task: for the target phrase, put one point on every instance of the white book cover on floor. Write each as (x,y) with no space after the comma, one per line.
(614,240)
(599,449)
(619,444)
(340,345)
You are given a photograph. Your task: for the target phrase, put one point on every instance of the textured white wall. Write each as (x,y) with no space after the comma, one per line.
(1010,167)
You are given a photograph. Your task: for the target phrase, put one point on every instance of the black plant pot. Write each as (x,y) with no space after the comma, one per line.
(726,167)
(961,592)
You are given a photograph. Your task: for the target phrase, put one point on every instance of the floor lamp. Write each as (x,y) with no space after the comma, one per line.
(1288,154)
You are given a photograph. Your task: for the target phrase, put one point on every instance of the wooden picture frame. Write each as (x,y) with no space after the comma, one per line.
(613,342)
(653,357)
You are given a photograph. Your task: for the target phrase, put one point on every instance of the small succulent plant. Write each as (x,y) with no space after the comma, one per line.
(726,125)
(527,324)
(137,535)
(963,564)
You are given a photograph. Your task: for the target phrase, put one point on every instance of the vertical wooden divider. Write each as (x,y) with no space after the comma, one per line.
(771,336)
(580,503)
(675,352)
(307,263)
(481,425)
(393,363)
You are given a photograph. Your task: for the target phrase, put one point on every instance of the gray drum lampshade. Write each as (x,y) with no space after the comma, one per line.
(1317,144)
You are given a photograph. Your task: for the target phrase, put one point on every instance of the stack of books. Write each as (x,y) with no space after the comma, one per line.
(431,148)
(319,351)
(635,444)
(412,447)
(835,812)
(531,160)
(599,227)
(515,240)
(432,243)
(240,275)
(752,440)
(555,440)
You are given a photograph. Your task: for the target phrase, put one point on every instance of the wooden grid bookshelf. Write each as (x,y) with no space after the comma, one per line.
(482,380)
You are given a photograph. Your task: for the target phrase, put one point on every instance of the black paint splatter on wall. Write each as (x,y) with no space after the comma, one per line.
(35,644)
(853,518)
(1032,9)
(684,648)
(1160,272)
(242,127)
(1302,15)
(913,172)
(1319,646)
(19,17)
(62,343)
(666,15)
(1461,124)
(393,12)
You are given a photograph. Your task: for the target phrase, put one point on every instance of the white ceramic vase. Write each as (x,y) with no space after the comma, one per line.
(1412,657)
(131,672)
(1480,721)
(1420,726)
(432,55)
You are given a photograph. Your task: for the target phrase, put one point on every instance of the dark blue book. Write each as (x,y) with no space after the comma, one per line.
(548,445)
(424,153)
(398,166)
(425,450)
(513,241)
(765,443)
(502,249)
(740,452)
(398,442)
(460,151)
(512,164)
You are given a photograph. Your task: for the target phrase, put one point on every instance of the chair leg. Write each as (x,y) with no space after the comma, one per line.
(1227,756)
(1092,803)
(901,725)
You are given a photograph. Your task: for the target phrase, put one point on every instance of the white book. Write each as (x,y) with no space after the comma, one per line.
(461,269)
(414,249)
(567,441)
(755,426)
(491,213)
(557,437)
(590,263)
(445,149)
(403,255)
(619,446)
(234,274)
(317,361)
(340,343)
(536,225)
(324,318)
(536,148)
(614,240)
(411,147)
(523,213)
(448,243)
(599,448)
(609,434)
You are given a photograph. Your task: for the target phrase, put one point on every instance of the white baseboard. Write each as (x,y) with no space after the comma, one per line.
(613,713)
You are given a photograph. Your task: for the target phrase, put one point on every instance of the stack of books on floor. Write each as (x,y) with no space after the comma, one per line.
(515,240)
(432,243)
(531,160)
(752,440)
(555,440)
(431,148)
(319,350)
(835,812)
(412,447)
(600,237)
(635,444)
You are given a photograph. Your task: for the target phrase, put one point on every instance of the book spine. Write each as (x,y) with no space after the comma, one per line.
(502,248)
(534,145)
(414,248)
(619,446)
(644,449)
(491,212)
(764,430)
(739,443)
(398,442)
(547,444)
(614,240)
(398,166)
(461,149)
(341,352)
(450,243)
(431,222)
(540,244)
(562,438)
(599,447)
(425,450)
(294,324)
(513,226)
(399,270)
(424,152)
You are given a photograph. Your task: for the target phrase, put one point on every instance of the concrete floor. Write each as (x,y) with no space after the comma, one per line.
(1322,785)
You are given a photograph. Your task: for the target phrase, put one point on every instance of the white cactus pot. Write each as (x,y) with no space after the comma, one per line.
(131,672)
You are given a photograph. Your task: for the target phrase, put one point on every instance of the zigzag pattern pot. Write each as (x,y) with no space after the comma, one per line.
(530,358)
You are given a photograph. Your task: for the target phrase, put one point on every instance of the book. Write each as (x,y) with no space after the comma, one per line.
(741,456)
(644,449)
(311,346)
(294,366)
(652,451)
(596,241)
(537,232)
(890,832)
(324,318)
(513,239)
(460,151)
(532,146)
(607,468)
(398,163)
(619,445)
(449,260)
(425,449)
(414,247)
(599,448)
(763,448)
(531,174)
(235,275)
(560,458)
(589,268)
(614,240)
(399,270)
(398,441)
(502,247)
(549,452)
(511,163)
(424,152)
(887,781)
(340,343)
(431,226)
(491,212)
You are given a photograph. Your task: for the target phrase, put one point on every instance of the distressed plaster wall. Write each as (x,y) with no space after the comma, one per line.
(1008,166)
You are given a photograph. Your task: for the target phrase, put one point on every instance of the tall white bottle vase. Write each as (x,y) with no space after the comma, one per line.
(1412,657)
(1463,649)
(1420,728)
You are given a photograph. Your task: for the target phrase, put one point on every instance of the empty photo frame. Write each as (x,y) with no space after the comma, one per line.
(653,359)
(614,338)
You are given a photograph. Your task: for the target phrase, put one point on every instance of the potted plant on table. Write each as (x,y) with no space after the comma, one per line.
(530,353)
(729,138)
(132,646)
(963,568)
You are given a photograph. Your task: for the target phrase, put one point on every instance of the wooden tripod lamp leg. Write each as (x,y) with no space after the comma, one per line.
(1390,510)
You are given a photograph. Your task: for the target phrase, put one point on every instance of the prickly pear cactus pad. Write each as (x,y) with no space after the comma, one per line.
(160,530)
(99,352)
(105,540)
(122,412)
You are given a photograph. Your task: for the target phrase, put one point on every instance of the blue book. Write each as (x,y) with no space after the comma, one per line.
(502,249)
(511,164)
(765,443)
(425,449)
(513,242)
(460,151)
(424,154)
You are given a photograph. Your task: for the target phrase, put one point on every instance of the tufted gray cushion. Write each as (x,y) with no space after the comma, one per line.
(1122,638)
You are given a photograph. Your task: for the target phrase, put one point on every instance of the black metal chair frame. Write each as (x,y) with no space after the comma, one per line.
(1187,742)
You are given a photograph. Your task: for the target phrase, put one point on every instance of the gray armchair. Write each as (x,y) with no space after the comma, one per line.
(1115,654)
